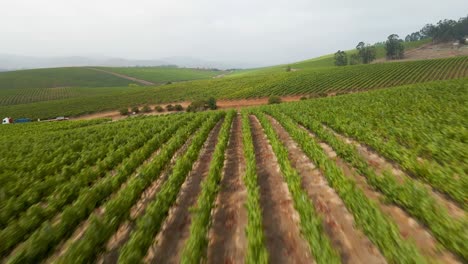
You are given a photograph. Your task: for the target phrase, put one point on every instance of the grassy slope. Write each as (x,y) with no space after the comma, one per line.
(323,61)
(165,74)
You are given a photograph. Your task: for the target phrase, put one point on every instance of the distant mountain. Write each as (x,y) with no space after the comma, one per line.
(15,62)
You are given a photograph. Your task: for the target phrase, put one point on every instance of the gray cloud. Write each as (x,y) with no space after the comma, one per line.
(258,32)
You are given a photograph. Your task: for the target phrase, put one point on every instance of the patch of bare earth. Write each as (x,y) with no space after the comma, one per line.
(175,231)
(380,164)
(352,244)
(409,228)
(227,240)
(280,220)
(123,233)
(432,51)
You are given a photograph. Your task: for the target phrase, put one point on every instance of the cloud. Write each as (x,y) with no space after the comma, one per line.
(260,32)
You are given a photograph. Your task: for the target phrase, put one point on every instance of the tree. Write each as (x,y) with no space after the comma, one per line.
(394,47)
(288,69)
(146,109)
(354,59)
(211,103)
(178,107)
(135,109)
(123,111)
(366,52)
(341,59)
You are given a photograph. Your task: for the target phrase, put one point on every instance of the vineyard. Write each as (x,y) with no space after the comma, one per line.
(308,82)
(373,177)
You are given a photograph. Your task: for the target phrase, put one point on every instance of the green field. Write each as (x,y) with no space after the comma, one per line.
(313,82)
(161,75)
(93,179)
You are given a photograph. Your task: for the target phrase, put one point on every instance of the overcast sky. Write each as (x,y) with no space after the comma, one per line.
(260,32)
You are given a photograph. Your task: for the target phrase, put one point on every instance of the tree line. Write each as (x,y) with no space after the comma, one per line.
(444,30)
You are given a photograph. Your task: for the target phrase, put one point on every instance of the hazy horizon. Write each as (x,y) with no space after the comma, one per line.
(256,33)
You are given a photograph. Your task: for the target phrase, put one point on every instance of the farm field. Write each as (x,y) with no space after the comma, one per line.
(372,177)
(311,82)
(162,75)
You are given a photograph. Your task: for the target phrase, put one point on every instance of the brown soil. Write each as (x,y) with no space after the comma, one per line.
(380,164)
(352,244)
(227,240)
(175,231)
(409,228)
(432,51)
(123,233)
(280,221)
(222,104)
(124,77)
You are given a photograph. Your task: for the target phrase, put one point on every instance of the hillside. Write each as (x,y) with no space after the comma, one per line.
(329,61)
(311,82)
(385,169)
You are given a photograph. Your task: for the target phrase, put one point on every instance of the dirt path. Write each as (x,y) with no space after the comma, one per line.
(353,245)
(409,228)
(280,220)
(175,231)
(380,164)
(124,76)
(227,240)
(222,104)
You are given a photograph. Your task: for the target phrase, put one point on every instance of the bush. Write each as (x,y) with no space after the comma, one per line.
(146,109)
(158,108)
(274,100)
(303,98)
(197,106)
(170,107)
(211,103)
(135,109)
(178,107)
(124,111)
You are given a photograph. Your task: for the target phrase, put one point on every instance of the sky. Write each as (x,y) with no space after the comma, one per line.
(254,32)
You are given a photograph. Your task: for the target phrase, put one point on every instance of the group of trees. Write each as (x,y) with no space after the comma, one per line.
(444,30)
(395,50)
(365,54)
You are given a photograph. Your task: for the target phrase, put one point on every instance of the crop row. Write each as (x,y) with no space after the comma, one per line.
(44,239)
(410,195)
(377,226)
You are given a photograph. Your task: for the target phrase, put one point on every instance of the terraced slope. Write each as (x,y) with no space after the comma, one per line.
(375,177)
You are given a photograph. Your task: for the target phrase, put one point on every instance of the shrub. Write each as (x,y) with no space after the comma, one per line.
(170,107)
(274,100)
(197,106)
(124,111)
(146,109)
(303,98)
(178,107)
(211,103)
(158,108)
(135,109)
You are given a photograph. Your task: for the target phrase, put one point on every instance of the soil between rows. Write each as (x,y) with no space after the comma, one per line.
(227,239)
(352,244)
(169,243)
(280,220)
(380,164)
(409,227)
